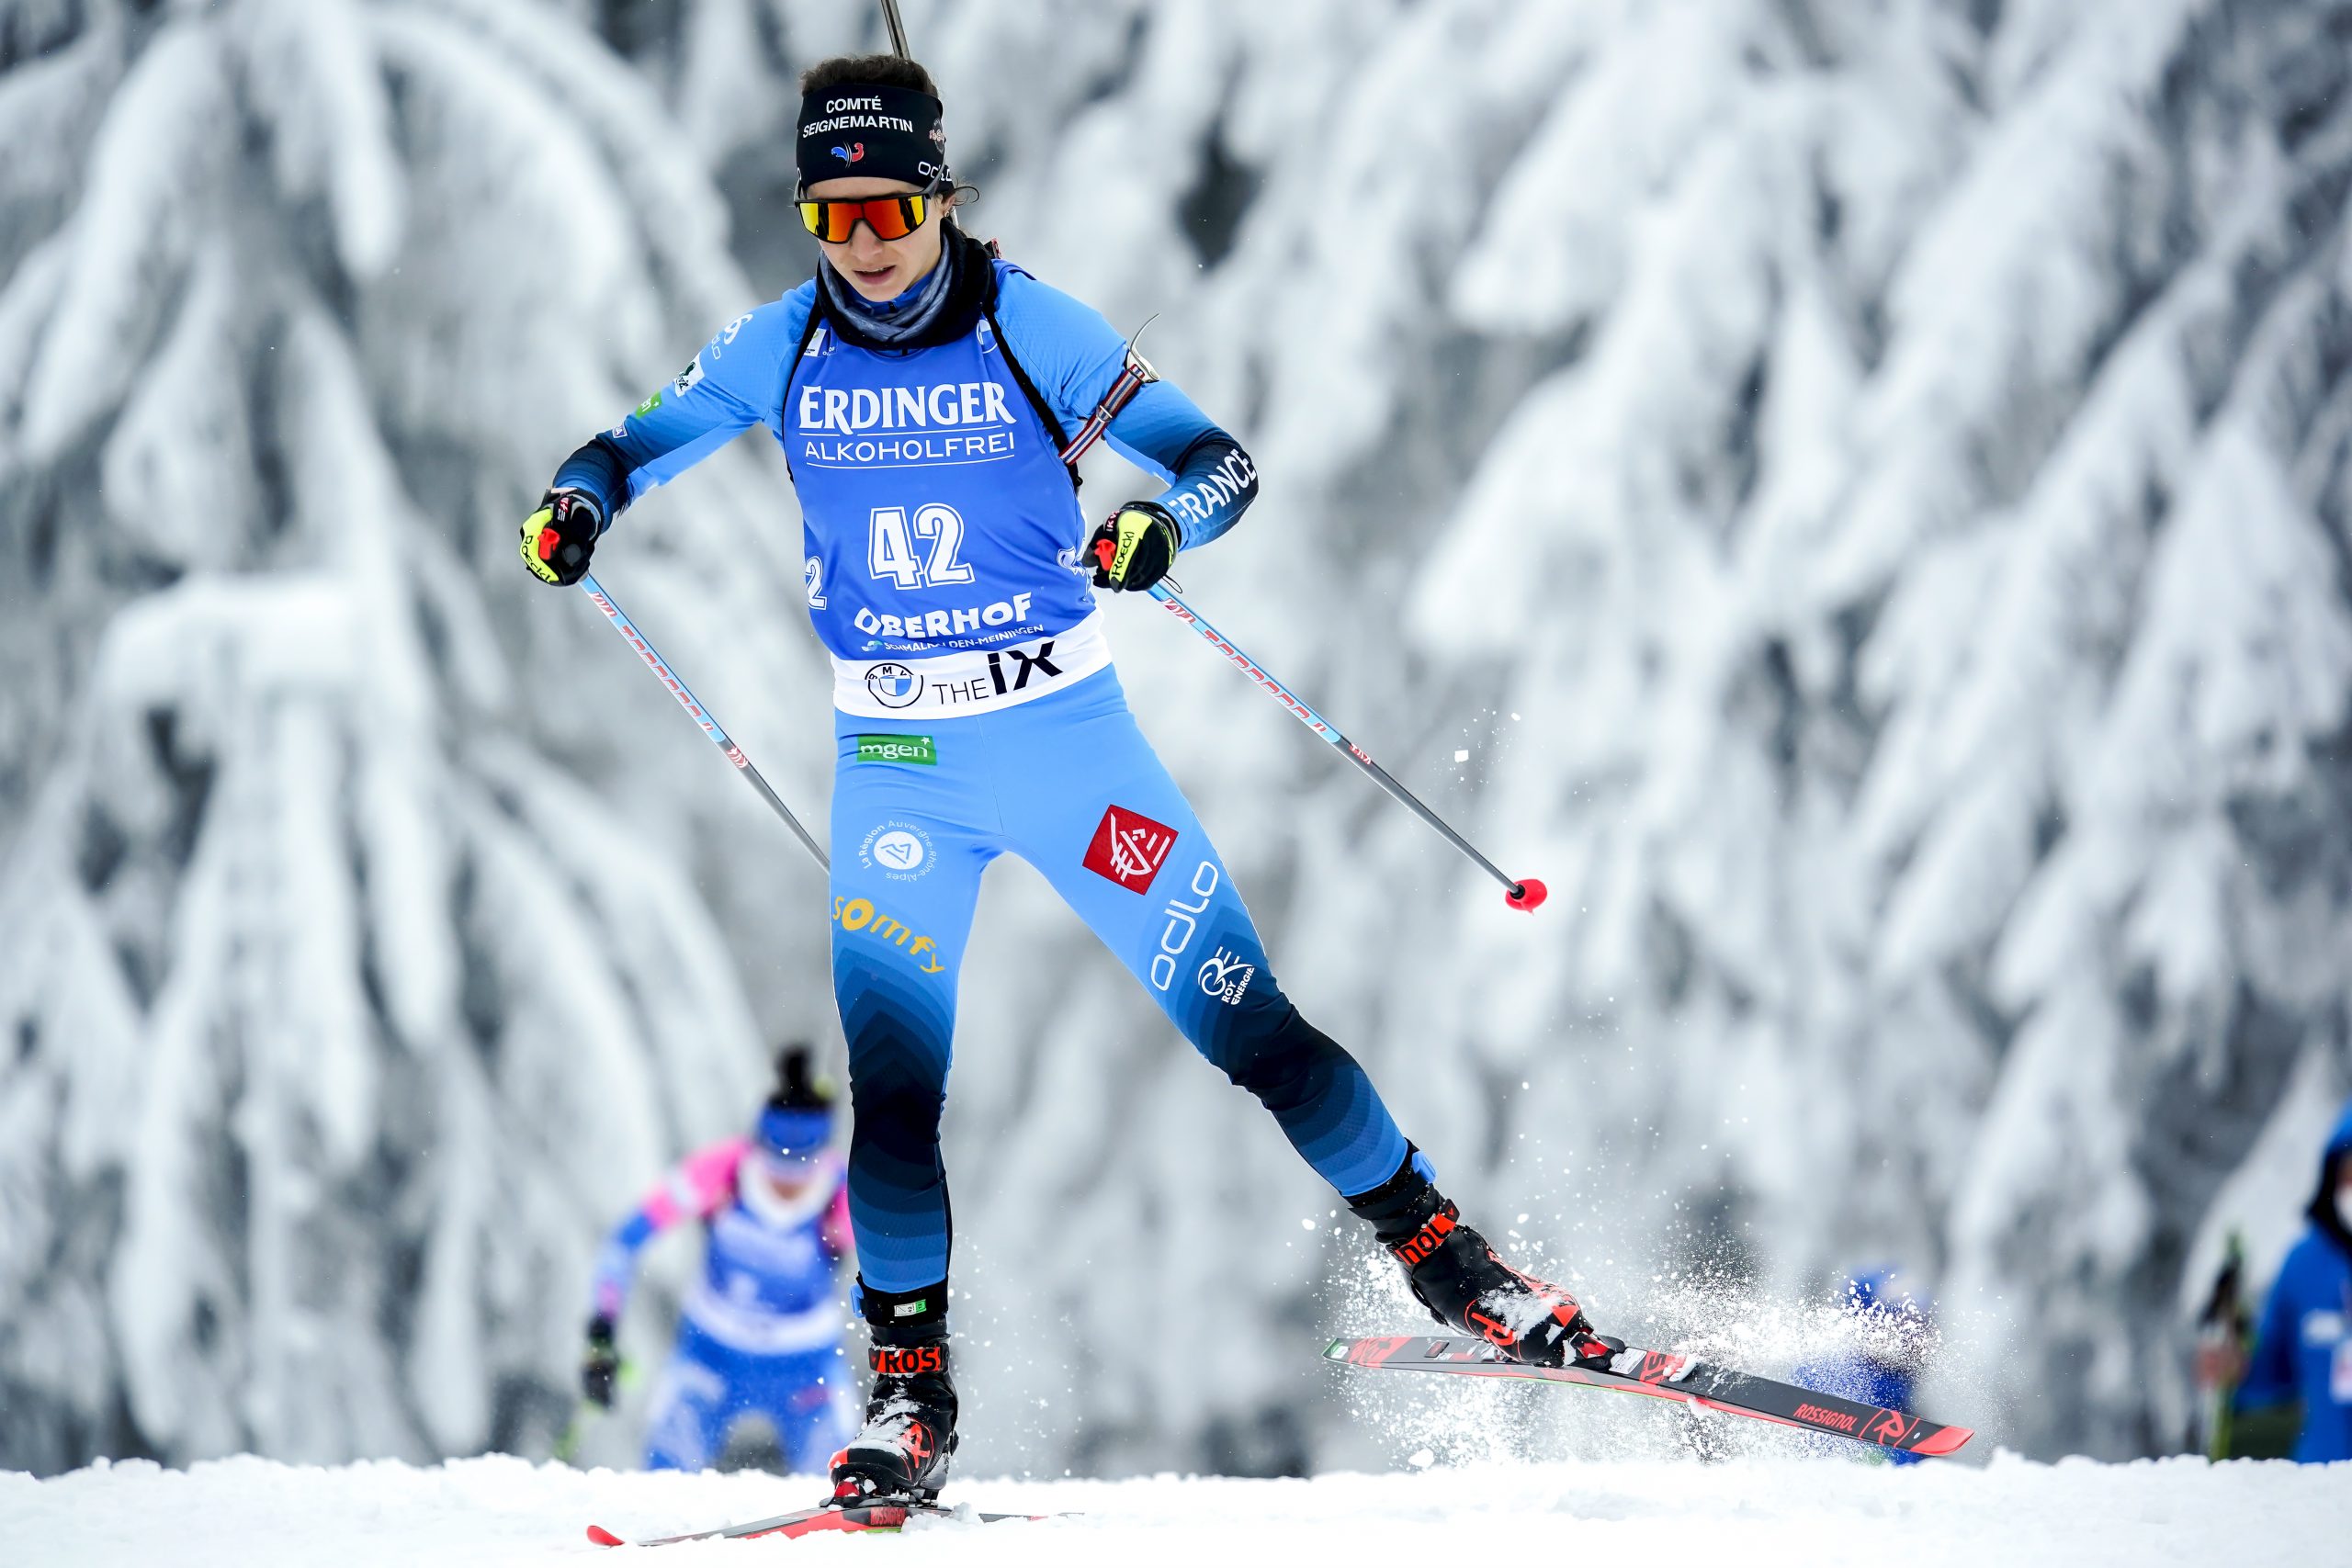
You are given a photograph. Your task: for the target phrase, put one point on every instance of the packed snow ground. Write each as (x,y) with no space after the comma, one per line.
(256,1513)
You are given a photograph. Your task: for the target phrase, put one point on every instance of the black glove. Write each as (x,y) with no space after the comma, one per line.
(560,535)
(1134,549)
(601,1366)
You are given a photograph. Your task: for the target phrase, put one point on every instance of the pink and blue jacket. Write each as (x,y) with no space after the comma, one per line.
(767,1283)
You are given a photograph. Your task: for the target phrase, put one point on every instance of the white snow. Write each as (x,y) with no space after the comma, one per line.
(499,1511)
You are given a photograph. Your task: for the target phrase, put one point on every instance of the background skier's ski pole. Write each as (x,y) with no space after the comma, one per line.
(567,1442)
(696,711)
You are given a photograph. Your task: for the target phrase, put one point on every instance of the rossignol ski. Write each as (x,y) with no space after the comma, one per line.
(1662,1375)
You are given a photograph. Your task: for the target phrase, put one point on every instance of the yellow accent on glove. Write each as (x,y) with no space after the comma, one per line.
(533,527)
(1133,548)
(1132,524)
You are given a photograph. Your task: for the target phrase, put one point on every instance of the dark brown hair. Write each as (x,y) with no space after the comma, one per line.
(866,71)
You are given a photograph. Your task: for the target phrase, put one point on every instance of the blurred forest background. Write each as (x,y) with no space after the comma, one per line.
(1854,494)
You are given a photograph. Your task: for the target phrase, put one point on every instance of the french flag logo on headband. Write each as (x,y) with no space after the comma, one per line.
(850,153)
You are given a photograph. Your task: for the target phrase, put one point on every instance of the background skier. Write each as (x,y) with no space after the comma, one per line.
(1894,1327)
(2303,1351)
(761,1335)
(923,391)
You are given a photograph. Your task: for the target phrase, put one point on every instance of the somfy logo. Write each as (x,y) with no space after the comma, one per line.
(860,915)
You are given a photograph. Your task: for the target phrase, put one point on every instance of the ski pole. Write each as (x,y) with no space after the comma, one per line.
(1521,893)
(567,1443)
(695,710)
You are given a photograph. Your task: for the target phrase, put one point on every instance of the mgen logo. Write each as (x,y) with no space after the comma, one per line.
(897,748)
(1129,848)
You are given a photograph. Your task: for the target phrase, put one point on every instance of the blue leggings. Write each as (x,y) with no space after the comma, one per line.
(1068,784)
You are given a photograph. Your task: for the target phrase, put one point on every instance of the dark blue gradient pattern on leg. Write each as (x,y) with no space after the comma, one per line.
(908,854)
(899,1050)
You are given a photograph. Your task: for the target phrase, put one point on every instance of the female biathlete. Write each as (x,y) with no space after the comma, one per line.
(922,389)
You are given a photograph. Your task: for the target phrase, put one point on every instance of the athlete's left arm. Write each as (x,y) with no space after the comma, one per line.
(696,1189)
(1074,355)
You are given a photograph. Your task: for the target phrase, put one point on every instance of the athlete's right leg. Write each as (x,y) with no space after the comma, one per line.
(910,841)
(913,830)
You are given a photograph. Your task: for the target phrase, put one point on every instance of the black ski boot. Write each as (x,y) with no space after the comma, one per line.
(1467,1286)
(909,1434)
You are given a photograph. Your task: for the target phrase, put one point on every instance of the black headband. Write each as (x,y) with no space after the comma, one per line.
(890,133)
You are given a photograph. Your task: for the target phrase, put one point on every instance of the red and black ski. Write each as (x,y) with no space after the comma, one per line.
(826,1518)
(1661,1376)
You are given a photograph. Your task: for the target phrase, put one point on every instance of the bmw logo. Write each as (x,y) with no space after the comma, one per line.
(893,685)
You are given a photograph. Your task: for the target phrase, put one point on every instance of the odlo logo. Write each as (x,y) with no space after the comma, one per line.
(1183,920)
(1225,977)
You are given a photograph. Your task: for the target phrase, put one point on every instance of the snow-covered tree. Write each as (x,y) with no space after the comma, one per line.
(342,1009)
(1864,482)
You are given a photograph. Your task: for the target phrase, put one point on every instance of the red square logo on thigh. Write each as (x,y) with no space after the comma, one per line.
(1129,848)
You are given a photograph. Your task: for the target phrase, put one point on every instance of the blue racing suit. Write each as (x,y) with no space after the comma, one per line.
(977,712)
(2304,1349)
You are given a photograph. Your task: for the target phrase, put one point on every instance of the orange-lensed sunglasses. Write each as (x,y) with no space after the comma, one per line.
(890,217)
